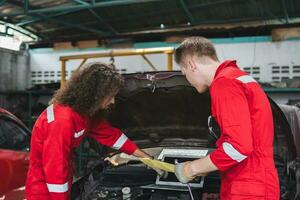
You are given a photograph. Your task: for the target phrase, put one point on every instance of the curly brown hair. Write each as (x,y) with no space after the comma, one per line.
(88,87)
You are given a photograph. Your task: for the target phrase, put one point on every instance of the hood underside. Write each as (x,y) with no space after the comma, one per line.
(164,104)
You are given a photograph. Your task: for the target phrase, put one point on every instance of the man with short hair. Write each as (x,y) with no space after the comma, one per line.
(244,153)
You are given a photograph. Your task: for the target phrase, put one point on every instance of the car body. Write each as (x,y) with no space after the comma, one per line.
(162,111)
(14,156)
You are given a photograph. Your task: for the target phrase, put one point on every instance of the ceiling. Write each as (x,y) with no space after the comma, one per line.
(147,20)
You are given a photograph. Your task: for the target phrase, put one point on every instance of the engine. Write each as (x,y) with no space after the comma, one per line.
(134,181)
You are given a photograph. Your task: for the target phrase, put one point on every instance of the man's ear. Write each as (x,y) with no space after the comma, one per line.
(192,65)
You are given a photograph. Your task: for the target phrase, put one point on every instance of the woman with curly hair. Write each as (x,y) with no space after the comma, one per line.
(74,112)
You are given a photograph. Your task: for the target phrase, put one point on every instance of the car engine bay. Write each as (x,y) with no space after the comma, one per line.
(124,177)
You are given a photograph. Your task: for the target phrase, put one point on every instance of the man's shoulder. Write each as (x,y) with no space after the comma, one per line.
(223,83)
(229,82)
(230,73)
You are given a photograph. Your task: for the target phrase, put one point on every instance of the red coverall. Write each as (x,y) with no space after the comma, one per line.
(56,134)
(244,153)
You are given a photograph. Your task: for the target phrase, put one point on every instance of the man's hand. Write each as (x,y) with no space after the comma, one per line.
(182,172)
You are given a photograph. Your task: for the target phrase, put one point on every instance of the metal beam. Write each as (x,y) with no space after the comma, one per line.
(29,33)
(45,17)
(127,52)
(215,3)
(6,30)
(100,19)
(26,6)
(267,11)
(57,28)
(82,63)
(187,11)
(20,31)
(33,20)
(170,61)
(81,2)
(63,73)
(209,24)
(270,13)
(148,14)
(286,14)
(5,34)
(2,2)
(74,25)
(149,62)
(199,7)
(78,7)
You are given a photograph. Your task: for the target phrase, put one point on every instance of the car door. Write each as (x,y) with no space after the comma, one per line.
(14,154)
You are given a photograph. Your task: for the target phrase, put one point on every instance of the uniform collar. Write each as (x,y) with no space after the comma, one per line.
(223,65)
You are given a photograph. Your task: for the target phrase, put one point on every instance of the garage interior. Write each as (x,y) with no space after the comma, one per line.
(42,42)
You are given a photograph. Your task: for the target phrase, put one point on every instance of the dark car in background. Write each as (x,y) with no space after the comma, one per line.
(168,118)
(14,156)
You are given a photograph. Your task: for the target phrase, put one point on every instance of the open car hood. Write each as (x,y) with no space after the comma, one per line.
(160,105)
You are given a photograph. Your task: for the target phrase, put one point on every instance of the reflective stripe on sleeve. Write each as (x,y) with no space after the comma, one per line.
(232,152)
(120,142)
(50,113)
(78,134)
(59,188)
(246,79)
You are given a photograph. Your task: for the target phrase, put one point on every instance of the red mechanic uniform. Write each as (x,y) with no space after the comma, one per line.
(244,153)
(56,134)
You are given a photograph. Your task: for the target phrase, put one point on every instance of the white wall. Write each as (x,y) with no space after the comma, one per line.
(263,55)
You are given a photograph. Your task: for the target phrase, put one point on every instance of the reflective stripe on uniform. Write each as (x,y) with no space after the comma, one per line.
(59,188)
(246,79)
(50,113)
(78,134)
(120,142)
(232,152)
